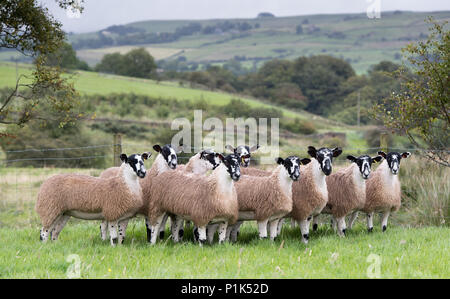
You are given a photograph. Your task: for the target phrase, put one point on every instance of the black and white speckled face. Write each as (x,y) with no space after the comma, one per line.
(169,154)
(211,157)
(292,165)
(244,153)
(393,159)
(325,157)
(232,164)
(136,162)
(364,163)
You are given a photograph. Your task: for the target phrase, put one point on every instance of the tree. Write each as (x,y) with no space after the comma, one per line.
(110,63)
(25,25)
(138,63)
(66,57)
(421,109)
(299,29)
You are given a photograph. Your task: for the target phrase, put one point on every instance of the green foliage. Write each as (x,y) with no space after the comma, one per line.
(136,63)
(299,126)
(49,135)
(422,106)
(27,27)
(65,57)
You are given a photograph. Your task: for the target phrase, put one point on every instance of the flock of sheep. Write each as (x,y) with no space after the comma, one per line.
(216,194)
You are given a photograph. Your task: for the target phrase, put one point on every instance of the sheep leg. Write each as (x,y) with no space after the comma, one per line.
(122,229)
(333,223)
(222,232)
(149,230)
(47,231)
(201,234)
(273,228)
(315,225)
(280,226)
(235,231)
(341,226)
(384,220)
(212,228)
(370,222)
(262,228)
(352,219)
(59,226)
(175,233)
(293,223)
(113,232)
(156,227)
(162,228)
(104,230)
(304,229)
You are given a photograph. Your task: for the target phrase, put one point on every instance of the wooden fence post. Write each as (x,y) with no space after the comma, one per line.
(117,149)
(384,142)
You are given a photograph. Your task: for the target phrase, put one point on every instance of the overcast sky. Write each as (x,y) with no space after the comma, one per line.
(99,14)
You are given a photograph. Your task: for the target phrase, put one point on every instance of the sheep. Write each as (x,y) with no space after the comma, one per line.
(267,199)
(200,163)
(201,199)
(112,199)
(244,152)
(166,160)
(383,193)
(347,190)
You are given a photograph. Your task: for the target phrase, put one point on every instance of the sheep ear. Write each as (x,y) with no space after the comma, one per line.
(305,161)
(202,154)
(145,156)
(377,159)
(381,153)
(178,149)
(229,147)
(406,154)
(312,151)
(157,148)
(279,160)
(337,151)
(123,157)
(221,157)
(351,158)
(254,148)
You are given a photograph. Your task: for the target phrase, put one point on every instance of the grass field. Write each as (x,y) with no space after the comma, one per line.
(397,253)
(362,41)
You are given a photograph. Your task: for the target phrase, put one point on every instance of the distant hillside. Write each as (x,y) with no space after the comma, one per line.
(354,37)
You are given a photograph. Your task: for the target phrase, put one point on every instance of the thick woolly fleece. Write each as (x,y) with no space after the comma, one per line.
(265,195)
(112,197)
(346,191)
(199,198)
(383,192)
(309,193)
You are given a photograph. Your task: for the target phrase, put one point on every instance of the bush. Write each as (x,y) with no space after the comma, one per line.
(299,126)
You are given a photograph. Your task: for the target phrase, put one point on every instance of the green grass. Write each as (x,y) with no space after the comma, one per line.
(366,41)
(404,252)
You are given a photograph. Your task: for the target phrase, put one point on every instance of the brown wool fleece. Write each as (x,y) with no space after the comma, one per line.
(65,192)
(199,197)
(383,192)
(346,191)
(307,196)
(264,195)
(252,171)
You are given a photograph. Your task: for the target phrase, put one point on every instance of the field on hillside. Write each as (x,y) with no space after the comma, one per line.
(362,41)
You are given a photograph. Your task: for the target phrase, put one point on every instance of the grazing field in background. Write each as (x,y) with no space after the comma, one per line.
(354,37)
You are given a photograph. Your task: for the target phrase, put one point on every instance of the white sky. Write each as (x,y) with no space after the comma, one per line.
(99,14)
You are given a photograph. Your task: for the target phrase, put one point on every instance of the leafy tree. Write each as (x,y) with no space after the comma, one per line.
(421,109)
(110,63)
(66,57)
(27,26)
(299,29)
(138,63)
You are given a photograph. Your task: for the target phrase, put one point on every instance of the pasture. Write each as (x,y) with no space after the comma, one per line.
(415,245)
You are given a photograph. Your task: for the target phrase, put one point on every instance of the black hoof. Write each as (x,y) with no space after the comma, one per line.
(384,228)
(123,240)
(370,229)
(315,226)
(201,242)
(344,231)
(149,235)
(161,235)
(196,235)
(114,241)
(306,236)
(181,233)
(237,234)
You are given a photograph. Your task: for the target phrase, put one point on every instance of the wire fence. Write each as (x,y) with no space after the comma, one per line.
(20,184)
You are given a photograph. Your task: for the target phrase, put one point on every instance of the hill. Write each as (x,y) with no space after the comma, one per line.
(354,37)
